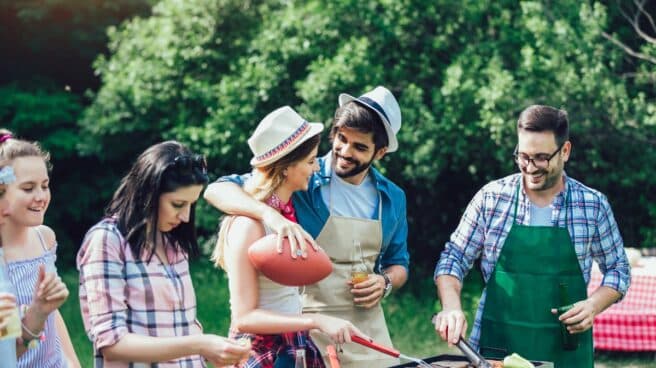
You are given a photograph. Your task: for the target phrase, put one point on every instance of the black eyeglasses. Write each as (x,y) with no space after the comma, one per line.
(541,160)
(188,162)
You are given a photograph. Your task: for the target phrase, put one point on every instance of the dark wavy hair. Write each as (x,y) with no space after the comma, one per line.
(162,168)
(357,116)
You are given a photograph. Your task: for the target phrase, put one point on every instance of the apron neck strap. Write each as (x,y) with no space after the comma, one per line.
(568,199)
(517,200)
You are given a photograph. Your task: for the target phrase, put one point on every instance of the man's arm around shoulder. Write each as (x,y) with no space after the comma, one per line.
(230,197)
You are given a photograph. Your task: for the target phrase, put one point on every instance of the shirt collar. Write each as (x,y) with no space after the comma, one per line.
(558,199)
(322,177)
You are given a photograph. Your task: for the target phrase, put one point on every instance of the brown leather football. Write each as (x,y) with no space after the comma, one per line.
(285,270)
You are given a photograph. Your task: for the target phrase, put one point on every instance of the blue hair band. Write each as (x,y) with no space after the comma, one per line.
(7,175)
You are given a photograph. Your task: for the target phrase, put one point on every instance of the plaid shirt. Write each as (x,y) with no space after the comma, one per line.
(120,294)
(489,216)
(279,350)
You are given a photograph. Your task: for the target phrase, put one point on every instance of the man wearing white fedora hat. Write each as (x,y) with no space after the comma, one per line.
(354,212)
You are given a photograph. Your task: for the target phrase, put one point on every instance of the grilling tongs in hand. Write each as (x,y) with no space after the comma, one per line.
(474,357)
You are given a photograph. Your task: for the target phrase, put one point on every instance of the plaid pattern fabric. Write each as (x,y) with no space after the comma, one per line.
(120,294)
(489,216)
(268,349)
(629,325)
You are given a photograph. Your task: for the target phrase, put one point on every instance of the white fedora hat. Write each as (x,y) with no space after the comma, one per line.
(279,133)
(382,101)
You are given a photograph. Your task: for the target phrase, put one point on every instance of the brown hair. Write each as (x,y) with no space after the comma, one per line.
(541,118)
(161,168)
(12,148)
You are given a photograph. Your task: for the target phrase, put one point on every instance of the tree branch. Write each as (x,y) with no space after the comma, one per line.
(641,7)
(636,25)
(628,50)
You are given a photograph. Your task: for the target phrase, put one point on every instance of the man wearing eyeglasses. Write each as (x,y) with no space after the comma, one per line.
(536,234)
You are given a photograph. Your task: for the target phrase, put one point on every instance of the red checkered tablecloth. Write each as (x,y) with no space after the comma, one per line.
(629,325)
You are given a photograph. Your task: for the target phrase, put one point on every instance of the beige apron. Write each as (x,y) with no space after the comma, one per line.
(332,296)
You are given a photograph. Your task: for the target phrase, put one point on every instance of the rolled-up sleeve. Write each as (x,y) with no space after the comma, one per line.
(465,243)
(234,178)
(608,250)
(103,287)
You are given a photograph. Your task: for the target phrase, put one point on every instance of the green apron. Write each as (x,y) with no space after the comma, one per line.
(523,288)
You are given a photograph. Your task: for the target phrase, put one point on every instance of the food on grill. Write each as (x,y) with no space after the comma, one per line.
(449,364)
(516,361)
(461,364)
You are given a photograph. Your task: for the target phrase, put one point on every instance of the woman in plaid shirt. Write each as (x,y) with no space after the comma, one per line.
(137,299)
(269,314)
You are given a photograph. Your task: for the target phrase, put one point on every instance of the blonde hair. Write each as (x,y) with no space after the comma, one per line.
(13,148)
(264,181)
(261,185)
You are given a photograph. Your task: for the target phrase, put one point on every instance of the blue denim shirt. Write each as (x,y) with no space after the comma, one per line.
(312,212)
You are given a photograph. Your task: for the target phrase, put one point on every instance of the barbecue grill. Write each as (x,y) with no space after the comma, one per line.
(458,361)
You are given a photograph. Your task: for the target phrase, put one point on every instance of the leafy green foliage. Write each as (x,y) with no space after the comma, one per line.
(58,39)
(205,72)
(462,73)
(39,111)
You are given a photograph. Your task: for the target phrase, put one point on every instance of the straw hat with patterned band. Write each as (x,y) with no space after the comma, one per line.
(278,134)
(382,101)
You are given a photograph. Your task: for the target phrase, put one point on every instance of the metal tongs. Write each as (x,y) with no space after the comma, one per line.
(389,351)
(472,355)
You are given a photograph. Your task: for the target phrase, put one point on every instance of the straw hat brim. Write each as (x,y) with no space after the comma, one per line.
(315,128)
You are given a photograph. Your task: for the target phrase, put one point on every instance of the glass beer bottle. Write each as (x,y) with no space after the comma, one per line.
(359,271)
(300,359)
(570,341)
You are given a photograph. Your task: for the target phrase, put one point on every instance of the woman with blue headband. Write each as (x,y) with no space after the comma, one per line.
(30,252)
(8,306)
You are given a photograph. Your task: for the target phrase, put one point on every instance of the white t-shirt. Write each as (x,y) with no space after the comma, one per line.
(350,200)
(540,216)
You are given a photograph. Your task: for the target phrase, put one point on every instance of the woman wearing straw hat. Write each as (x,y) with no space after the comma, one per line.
(269,314)
(356,213)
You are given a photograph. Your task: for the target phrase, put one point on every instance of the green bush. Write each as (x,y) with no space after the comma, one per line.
(462,73)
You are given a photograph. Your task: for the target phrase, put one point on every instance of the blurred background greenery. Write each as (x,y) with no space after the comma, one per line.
(98,81)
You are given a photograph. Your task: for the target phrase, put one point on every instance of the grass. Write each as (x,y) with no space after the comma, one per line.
(408,316)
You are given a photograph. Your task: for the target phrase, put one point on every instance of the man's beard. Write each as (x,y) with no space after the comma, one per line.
(357,169)
(550,179)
